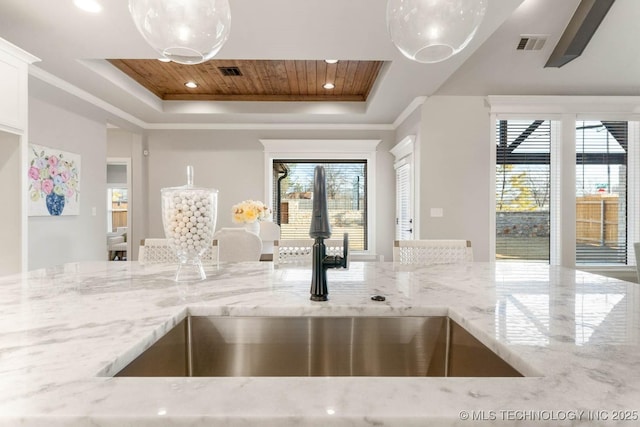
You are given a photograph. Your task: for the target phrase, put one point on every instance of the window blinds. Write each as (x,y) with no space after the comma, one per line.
(523,188)
(601,192)
(404,221)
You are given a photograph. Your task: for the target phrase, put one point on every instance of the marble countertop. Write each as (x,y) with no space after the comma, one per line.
(575,336)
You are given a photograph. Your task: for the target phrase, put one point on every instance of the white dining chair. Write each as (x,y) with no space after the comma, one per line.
(299,250)
(158,251)
(269,233)
(432,251)
(237,244)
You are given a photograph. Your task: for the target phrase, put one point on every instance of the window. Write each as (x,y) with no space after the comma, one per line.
(350,172)
(601,192)
(118,193)
(117,205)
(523,190)
(594,174)
(346,182)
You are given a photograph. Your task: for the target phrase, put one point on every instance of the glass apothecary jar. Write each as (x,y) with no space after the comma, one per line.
(189,218)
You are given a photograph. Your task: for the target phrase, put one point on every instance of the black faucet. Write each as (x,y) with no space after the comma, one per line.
(321,229)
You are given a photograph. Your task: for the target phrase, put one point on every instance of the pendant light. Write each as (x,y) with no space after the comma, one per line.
(430,31)
(184,31)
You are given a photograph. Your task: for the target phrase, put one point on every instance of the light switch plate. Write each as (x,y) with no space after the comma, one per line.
(437,212)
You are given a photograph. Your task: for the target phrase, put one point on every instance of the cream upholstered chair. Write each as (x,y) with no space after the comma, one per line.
(158,251)
(117,247)
(432,251)
(299,250)
(238,244)
(117,244)
(636,248)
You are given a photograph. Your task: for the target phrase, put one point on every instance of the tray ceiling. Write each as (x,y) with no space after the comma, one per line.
(254,80)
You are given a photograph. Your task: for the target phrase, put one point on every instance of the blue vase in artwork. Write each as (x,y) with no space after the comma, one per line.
(55,203)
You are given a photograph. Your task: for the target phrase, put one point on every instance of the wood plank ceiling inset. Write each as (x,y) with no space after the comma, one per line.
(261,80)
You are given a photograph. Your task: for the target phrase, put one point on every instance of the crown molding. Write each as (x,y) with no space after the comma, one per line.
(16,52)
(65,86)
(268,126)
(417,102)
(559,104)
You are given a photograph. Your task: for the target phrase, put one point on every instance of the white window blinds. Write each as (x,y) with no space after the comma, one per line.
(523,189)
(404,219)
(601,192)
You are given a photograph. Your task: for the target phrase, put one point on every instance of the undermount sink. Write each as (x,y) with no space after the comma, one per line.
(212,346)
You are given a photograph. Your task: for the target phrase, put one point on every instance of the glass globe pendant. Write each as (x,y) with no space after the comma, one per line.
(431,31)
(184,31)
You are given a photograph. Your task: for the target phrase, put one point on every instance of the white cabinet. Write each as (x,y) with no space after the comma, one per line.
(14,75)
(11,81)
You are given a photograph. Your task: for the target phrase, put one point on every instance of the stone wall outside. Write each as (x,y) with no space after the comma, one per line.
(522,224)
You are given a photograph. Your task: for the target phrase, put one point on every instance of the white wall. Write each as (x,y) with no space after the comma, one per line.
(454,165)
(57,240)
(456,170)
(233,163)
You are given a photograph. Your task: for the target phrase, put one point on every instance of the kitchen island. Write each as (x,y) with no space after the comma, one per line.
(65,331)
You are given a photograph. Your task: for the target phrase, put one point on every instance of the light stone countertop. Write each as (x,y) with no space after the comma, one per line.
(63,331)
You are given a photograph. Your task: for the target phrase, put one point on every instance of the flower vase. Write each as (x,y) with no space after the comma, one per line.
(55,203)
(252,227)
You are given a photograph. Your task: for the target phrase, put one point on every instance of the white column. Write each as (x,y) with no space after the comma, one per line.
(567,176)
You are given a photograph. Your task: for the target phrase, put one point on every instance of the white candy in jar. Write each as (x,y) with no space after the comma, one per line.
(189,216)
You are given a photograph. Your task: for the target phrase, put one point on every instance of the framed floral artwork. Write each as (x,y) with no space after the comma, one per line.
(54,182)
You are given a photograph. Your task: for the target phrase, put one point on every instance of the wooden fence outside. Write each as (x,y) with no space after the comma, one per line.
(597,219)
(118,215)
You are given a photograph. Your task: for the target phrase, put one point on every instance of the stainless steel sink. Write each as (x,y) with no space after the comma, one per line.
(318,346)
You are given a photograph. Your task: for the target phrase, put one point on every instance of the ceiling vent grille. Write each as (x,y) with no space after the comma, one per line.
(532,42)
(230,71)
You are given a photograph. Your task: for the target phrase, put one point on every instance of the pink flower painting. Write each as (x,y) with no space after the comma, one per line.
(54,182)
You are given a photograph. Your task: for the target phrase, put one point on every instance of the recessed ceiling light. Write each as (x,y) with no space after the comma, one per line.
(191,85)
(88,5)
(328,86)
(164,59)
(331,61)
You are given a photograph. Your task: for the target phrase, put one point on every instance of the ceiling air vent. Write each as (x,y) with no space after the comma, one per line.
(230,71)
(532,42)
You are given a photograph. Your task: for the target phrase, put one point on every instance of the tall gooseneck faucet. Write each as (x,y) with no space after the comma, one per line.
(321,229)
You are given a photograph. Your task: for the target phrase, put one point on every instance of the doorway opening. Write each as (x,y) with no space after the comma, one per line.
(118,209)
